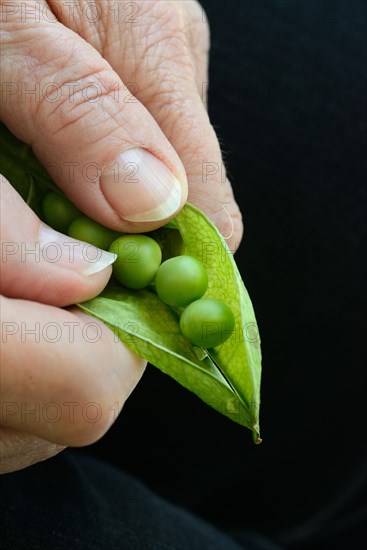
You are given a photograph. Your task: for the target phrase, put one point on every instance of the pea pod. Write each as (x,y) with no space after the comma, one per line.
(227,377)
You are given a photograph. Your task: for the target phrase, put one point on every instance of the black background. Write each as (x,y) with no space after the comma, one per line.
(287,97)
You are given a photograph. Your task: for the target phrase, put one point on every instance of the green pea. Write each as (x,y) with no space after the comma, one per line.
(58,211)
(138,259)
(181,280)
(207,322)
(87,230)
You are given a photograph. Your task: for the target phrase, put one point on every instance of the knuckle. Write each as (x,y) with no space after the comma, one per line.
(57,82)
(165,32)
(198,25)
(76,100)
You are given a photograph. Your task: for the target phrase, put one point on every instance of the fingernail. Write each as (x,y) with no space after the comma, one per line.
(76,255)
(140,188)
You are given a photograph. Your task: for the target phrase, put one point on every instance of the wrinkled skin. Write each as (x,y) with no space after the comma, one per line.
(156,55)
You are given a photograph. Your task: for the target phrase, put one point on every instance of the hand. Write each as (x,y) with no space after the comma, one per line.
(66,93)
(130,162)
(64,375)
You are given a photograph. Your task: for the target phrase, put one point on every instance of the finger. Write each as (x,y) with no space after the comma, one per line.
(19,450)
(198,37)
(108,154)
(65,376)
(155,54)
(40,264)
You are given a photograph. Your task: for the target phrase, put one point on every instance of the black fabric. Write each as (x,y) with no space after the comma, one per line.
(77,502)
(287,97)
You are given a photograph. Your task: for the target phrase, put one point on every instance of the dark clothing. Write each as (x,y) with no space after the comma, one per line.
(75,502)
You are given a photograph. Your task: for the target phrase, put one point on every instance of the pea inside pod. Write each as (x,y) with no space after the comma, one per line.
(138,259)
(207,322)
(58,212)
(181,280)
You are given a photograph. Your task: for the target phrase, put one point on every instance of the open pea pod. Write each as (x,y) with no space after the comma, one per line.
(228,377)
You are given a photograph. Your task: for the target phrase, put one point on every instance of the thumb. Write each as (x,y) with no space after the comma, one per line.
(99,143)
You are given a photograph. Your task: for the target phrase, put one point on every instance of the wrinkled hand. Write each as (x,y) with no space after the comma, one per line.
(64,375)
(111,96)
